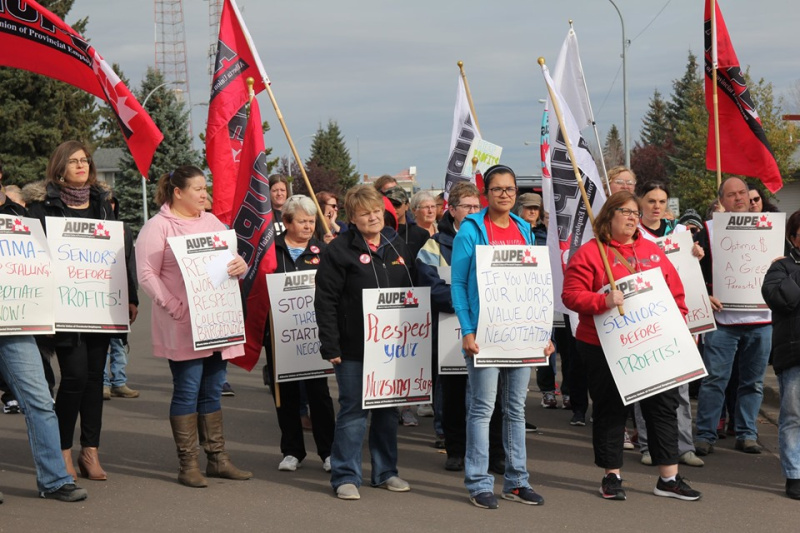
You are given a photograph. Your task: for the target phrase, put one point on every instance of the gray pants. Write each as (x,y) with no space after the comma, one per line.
(685,442)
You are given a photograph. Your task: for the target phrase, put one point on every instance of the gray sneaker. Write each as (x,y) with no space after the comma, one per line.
(691,459)
(395,484)
(348,491)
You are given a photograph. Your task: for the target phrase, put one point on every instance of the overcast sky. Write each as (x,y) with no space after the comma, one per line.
(386,71)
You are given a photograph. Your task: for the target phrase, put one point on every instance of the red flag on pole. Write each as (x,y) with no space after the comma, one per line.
(744,147)
(34,39)
(236,61)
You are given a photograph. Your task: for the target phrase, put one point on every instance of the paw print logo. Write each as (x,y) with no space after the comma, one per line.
(101,231)
(219,243)
(763,222)
(528,257)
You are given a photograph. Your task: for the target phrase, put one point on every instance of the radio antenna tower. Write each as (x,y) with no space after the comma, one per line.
(170,41)
(214,14)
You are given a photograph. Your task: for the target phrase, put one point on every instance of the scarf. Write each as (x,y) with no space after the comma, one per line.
(73,196)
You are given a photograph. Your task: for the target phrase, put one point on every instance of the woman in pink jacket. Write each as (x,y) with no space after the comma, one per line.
(197,375)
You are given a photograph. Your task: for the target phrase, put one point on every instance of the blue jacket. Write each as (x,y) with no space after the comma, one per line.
(464,290)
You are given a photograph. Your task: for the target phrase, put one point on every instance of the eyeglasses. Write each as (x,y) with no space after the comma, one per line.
(629,183)
(755,200)
(469,207)
(499,191)
(335,206)
(82,161)
(629,212)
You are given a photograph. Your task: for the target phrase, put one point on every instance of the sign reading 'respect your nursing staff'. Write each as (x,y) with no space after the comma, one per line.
(88,260)
(215,309)
(397,347)
(26,278)
(649,349)
(516,314)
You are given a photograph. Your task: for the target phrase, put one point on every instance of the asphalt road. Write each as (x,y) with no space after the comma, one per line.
(740,492)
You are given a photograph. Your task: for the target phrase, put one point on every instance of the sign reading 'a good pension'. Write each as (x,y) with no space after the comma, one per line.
(743,247)
(88,258)
(516,314)
(26,280)
(215,310)
(649,349)
(397,347)
(296,342)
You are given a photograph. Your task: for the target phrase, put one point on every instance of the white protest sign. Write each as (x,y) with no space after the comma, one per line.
(215,311)
(88,260)
(516,315)
(488,154)
(649,349)
(291,297)
(451,358)
(743,248)
(397,347)
(27,287)
(678,249)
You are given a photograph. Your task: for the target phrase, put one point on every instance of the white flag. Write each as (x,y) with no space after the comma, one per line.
(568,77)
(464,133)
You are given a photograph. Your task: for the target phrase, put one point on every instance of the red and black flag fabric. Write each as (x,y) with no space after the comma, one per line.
(744,148)
(34,39)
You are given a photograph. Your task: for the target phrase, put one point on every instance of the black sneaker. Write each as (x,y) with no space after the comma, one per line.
(484,500)
(524,495)
(611,488)
(454,464)
(676,489)
(530,428)
(578,419)
(66,493)
(227,390)
(498,466)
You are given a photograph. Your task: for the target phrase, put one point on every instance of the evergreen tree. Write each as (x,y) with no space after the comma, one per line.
(172,118)
(613,151)
(683,89)
(780,133)
(655,127)
(329,152)
(39,113)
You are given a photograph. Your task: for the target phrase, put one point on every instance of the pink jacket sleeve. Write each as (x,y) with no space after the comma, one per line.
(150,248)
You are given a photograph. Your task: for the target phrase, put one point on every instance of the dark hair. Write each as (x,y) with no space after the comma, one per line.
(278,178)
(766,205)
(178,178)
(496,170)
(324,196)
(651,186)
(602,224)
(793,224)
(60,158)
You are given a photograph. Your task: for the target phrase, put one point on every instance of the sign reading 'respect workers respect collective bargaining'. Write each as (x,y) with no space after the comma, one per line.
(215,309)
(26,278)
(743,247)
(88,259)
(649,349)
(296,342)
(516,314)
(397,347)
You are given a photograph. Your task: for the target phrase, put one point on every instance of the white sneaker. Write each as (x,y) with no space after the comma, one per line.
(425,410)
(289,464)
(326,464)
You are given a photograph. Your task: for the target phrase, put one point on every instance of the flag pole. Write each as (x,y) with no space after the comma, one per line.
(714,98)
(577,171)
(469,95)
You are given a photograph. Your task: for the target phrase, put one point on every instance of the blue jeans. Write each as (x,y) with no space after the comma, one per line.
(21,366)
(789,422)
(117,359)
(351,425)
(197,385)
(481,396)
(752,344)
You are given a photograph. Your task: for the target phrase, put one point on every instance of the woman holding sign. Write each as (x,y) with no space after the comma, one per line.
(367,256)
(71,190)
(616,227)
(197,375)
(494,225)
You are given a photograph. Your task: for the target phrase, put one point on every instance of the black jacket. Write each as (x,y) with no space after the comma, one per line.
(308,260)
(347,267)
(10,207)
(781,292)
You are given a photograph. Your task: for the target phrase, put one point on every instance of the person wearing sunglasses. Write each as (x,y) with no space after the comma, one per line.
(330,210)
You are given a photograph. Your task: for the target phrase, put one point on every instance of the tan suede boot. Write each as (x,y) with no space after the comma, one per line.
(213,442)
(89,465)
(184,431)
(67,455)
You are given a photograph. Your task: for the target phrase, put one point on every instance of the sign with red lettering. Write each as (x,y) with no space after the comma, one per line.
(743,246)
(88,259)
(215,310)
(296,342)
(397,347)
(649,349)
(27,286)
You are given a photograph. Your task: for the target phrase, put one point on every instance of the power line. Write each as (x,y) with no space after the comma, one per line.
(652,21)
(610,88)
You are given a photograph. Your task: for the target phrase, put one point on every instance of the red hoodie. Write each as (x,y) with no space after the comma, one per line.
(586,275)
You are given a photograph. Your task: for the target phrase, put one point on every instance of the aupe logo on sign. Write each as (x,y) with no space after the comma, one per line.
(14,226)
(397,300)
(514,258)
(86,230)
(198,245)
(749,222)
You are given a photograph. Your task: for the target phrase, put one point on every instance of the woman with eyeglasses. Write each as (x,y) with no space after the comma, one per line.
(616,226)
(621,178)
(71,190)
(423,205)
(493,225)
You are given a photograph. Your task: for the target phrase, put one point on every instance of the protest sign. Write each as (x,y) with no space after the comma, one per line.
(678,249)
(291,297)
(27,286)
(743,247)
(516,315)
(488,154)
(397,347)
(649,349)
(215,311)
(451,358)
(91,281)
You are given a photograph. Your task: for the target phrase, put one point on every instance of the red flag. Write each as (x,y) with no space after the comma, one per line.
(479,184)
(34,39)
(236,61)
(255,236)
(744,148)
